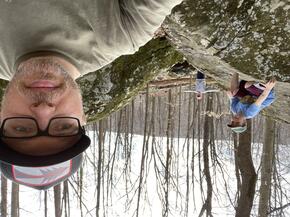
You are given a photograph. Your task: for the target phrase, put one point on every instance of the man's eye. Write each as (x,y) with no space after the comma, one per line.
(61,127)
(22,129)
(65,127)
(64,130)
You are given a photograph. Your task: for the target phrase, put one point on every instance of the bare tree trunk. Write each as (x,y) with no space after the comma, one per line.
(57,200)
(208,123)
(178,145)
(66,199)
(15,200)
(100,151)
(195,110)
(237,172)
(108,155)
(80,188)
(144,153)
(248,173)
(278,192)
(45,204)
(3,196)
(189,107)
(168,155)
(200,172)
(266,168)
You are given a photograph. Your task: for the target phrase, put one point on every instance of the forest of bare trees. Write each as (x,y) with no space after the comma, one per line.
(167,154)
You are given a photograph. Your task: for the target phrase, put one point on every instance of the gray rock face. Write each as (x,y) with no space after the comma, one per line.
(250,37)
(112,87)
(253,36)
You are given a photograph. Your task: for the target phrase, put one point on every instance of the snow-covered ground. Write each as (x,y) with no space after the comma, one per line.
(123,199)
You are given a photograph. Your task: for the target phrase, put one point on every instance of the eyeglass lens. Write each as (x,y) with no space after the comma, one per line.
(24,127)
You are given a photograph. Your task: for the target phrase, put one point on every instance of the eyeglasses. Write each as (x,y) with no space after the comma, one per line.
(26,127)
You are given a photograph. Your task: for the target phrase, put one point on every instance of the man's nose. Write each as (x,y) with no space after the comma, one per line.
(43,112)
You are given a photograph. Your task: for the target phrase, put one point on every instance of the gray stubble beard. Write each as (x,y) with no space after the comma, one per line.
(41,69)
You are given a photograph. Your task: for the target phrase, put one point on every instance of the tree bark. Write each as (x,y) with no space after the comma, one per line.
(144,152)
(45,204)
(208,127)
(248,174)
(66,199)
(15,200)
(266,168)
(169,133)
(3,196)
(100,163)
(57,200)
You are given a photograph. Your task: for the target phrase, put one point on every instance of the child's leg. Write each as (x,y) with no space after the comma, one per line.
(234,84)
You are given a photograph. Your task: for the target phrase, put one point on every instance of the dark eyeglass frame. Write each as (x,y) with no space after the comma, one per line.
(40,132)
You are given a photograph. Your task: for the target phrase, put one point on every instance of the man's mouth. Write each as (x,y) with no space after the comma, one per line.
(43,85)
(43,89)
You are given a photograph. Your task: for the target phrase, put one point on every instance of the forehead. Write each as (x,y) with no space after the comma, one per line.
(43,145)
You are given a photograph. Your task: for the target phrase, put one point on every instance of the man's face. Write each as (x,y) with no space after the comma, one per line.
(199,96)
(42,89)
(238,120)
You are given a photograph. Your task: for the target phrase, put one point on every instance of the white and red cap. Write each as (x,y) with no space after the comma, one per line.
(42,172)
